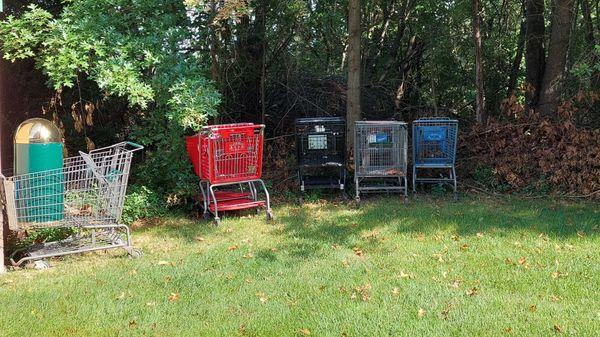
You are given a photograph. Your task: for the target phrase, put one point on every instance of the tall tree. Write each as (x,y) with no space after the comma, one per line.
(534,53)
(557,56)
(353,105)
(516,65)
(480,96)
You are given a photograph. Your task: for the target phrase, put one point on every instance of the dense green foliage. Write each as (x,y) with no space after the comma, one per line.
(142,203)
(133,50)
(476,267)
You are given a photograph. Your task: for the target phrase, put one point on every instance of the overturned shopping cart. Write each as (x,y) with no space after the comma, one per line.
(86,196)
(380,156)
(434,149)
(230,156)
(321,152)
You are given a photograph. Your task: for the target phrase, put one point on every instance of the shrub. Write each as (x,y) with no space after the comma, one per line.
(140,203)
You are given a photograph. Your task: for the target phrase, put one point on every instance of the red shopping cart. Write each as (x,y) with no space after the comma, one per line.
(228,155)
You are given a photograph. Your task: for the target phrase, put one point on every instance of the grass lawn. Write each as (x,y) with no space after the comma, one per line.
(477,267)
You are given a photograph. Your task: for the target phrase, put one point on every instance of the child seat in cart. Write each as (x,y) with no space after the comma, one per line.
(380,157)
(321,152)
(229,156)
(87,195)
(434,150)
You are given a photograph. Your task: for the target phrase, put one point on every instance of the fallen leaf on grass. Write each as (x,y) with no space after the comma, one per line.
(199,238)
(464,247)
(456,284)
(165,263)
(358,251)
(421,238)
(559,274)
(345,264)
(262,297)
(421,313)
(132,324)
(173,297)
(533,308)
(479,235)
(472,292)
(304,332)
(230,248)
(249,255)
(404,275)
(364,291)
(557,328)
(554,298)
(395,291)
(121,295)
(446,310)
(151,304)
(508,330)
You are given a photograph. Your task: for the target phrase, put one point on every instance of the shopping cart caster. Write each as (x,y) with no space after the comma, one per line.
(206,216)
(40,265)
(134,253)
(405,199)
(270,216)
(455,196)
(217,222)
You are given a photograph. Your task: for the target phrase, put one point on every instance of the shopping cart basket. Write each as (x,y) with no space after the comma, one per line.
(434,148)
(380,156)
(229,155)
(86,194)
(321,152)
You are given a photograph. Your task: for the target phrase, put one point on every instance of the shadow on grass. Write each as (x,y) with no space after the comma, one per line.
(465,217)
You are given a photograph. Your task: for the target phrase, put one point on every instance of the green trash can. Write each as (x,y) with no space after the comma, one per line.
(38,157)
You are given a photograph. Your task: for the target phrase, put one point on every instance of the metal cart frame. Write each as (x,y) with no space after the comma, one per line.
(230,155)
(434,148)
(321,153)
(87,194)
(380,157)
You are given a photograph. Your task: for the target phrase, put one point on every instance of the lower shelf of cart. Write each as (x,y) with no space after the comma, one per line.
(237,204)
(229,195)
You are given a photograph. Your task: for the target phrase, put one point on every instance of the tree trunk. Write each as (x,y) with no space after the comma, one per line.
(557,57)
(588,23)
(516,66)
(534,53)
(353,106)
(480,97)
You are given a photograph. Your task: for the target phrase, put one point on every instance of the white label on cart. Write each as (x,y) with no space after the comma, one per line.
(317,142)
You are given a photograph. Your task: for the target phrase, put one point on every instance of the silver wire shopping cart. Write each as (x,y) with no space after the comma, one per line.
(380,157)
(87,195)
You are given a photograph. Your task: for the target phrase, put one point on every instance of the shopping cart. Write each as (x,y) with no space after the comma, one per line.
(86,195)
(321,152)
(434,149)
(380,156)
(229,155)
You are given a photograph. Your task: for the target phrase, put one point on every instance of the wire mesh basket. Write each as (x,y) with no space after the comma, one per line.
(434,147)
(380,157)
(321,152)
(87,192)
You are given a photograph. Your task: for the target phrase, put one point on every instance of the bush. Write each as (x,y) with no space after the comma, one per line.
(140,203)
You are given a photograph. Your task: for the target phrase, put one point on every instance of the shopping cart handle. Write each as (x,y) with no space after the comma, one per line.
(136,146)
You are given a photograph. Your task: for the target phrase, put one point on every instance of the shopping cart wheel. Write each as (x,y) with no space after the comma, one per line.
(357,202)
(206,216)
(217,222)
(270,216)
(455,196)
(405,199)
(41,264)
(135,253)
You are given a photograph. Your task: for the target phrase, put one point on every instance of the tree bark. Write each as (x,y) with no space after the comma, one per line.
(557,57)
(353,104)
(516,66)
(588,23)
(534,53)
(480,96)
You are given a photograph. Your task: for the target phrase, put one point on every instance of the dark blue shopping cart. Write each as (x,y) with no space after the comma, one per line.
(434,149)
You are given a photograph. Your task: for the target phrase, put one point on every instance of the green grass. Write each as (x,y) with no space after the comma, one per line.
(477,267)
